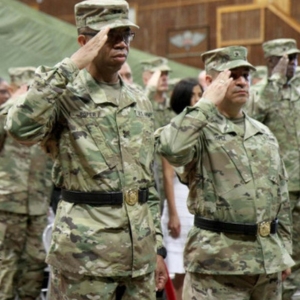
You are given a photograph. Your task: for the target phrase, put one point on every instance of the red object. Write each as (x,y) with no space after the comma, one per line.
(169,288)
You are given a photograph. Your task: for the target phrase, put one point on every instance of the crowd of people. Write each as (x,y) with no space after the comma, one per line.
(198,180)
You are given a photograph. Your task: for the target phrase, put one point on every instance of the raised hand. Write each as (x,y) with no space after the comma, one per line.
(216,91)
(281,66)
(88,51)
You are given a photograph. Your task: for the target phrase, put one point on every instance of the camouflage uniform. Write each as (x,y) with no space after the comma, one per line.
(277,105)
(234,176)
(97,146)
(163,114)
(25,186)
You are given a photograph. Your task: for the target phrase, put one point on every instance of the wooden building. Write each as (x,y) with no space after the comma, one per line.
(182,29)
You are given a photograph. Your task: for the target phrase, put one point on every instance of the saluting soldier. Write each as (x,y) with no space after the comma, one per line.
(241,243)
(277,105)
(25,188)
(99,131)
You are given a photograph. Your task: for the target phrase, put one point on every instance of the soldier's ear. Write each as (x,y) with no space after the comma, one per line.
(82,40)
(208,79)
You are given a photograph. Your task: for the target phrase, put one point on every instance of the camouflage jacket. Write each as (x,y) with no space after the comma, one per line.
(232,177)
(25,176)
(96,146)
(278,106)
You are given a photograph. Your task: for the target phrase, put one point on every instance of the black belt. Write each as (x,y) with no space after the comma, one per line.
(102,198)
(263,228)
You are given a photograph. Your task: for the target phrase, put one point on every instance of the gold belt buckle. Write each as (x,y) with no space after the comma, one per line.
(264,228)
(131,197)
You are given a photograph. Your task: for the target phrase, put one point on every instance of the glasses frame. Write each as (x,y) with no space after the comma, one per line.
(127,40)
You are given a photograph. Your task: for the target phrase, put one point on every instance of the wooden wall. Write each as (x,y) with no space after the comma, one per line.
(182,29)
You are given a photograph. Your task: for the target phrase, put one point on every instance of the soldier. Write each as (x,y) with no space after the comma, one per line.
(278,107)
(240,245)
(126,73)
(157,87)
(156,79)
(99,131)
(25,186)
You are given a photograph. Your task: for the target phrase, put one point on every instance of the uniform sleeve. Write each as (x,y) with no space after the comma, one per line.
(154,206)
(284,214)
(261,99)
(177,140)
(31,118)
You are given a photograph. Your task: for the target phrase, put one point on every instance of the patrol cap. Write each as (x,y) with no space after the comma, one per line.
(279,47)
(21,75)
(99,14)
(221,59)
(156,63)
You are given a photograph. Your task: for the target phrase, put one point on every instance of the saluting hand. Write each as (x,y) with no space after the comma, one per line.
(281,66)
(89,49)
(216,90)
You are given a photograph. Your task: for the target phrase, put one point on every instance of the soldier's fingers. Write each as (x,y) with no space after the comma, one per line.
(101,36)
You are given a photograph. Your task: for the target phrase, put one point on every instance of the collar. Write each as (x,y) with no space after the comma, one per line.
(252,127)
(86,88)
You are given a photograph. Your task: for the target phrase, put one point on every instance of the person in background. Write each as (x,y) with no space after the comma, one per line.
(126,73)
(278,107)
(157,88)
(99,132)
(241,243)
(176,219)
(25,187)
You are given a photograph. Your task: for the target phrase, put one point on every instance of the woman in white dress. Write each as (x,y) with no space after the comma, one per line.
(176,219)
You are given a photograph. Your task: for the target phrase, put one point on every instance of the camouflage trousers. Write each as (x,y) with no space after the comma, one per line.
(292,283)
(22,255)
(232,287)
(66,285)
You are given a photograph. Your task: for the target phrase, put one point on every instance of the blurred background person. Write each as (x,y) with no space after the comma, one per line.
(126,73)
(156,79)
(25,187)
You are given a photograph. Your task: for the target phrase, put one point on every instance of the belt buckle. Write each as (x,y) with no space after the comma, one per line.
(131,197)
(264,228)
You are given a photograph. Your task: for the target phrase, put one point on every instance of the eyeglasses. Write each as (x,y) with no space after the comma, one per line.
(116,36)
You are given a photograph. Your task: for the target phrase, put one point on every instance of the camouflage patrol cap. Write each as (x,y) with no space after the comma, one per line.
(21,75)
(156,63)
(226,58)
(99,14)
(279,47)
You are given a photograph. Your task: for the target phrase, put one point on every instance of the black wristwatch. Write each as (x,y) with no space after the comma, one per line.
(162,252)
